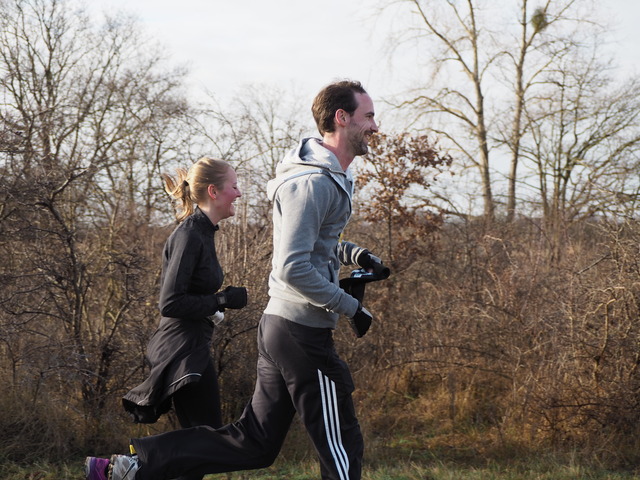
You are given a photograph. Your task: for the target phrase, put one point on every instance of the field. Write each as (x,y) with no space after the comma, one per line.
(407,470)
(405,457)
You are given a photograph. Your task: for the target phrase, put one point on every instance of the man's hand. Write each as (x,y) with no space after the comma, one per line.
(232,297)
(373,264)
(361,321)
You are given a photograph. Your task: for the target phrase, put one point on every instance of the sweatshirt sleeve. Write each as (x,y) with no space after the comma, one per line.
(304,204)
(349,253)
(182,254)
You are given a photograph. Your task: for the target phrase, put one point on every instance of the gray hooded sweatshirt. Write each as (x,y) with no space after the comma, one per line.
(311,197)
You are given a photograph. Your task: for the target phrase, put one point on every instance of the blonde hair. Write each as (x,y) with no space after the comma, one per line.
(189,188)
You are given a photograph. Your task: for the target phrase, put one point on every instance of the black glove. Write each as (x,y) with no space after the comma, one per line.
(369,261)
(232,297)
(361,321)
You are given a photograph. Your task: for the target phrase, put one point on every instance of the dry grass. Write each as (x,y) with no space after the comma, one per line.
(485,350)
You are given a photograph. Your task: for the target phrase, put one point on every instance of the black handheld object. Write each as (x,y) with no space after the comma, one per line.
(354,285)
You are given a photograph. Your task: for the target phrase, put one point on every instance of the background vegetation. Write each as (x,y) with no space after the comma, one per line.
(506,332)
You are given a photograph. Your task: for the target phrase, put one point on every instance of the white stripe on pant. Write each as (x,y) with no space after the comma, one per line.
(332,425)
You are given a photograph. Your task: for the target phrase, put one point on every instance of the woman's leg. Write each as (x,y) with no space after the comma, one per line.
(198,403)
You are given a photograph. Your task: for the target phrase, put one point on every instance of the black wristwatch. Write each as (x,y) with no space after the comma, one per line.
(221,298)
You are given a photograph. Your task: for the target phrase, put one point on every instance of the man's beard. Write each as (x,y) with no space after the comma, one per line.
(360,145)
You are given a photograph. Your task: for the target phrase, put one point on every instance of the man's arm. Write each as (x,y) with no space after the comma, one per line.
(352,254)
(303,205)
(349,253)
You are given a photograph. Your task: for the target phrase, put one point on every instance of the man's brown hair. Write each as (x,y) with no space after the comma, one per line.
(333,97)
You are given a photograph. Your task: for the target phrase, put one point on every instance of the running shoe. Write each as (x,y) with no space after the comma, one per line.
(123,467)
(96,468)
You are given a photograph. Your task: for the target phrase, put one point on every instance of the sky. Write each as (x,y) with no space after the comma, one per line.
(302,45)
(289,43)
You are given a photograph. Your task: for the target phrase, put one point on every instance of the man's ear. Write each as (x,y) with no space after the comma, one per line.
(341,117)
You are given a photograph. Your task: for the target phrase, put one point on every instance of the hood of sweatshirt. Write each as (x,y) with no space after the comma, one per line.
(310,156)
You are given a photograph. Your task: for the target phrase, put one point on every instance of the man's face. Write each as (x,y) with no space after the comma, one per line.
(361,125)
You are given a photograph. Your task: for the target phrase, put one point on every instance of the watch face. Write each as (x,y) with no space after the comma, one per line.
(362,273)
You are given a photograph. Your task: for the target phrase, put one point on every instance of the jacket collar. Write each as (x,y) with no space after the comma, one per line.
(201,218)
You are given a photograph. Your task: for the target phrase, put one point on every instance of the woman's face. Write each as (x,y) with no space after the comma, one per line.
(224,197)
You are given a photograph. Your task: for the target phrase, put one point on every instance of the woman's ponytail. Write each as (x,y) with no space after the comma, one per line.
(179,189)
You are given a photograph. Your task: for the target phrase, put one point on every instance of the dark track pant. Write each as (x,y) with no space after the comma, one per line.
(298,371)
(198,403)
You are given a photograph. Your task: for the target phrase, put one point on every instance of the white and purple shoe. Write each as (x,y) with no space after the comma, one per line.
(96,468)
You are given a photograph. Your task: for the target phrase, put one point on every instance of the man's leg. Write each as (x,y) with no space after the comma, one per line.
(339,439)
(252,442)
(320,386)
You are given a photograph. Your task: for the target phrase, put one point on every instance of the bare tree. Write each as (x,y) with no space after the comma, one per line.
(554,41)
(462,45)
(88,119)
(526,65)
(583,144)
(256,128)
